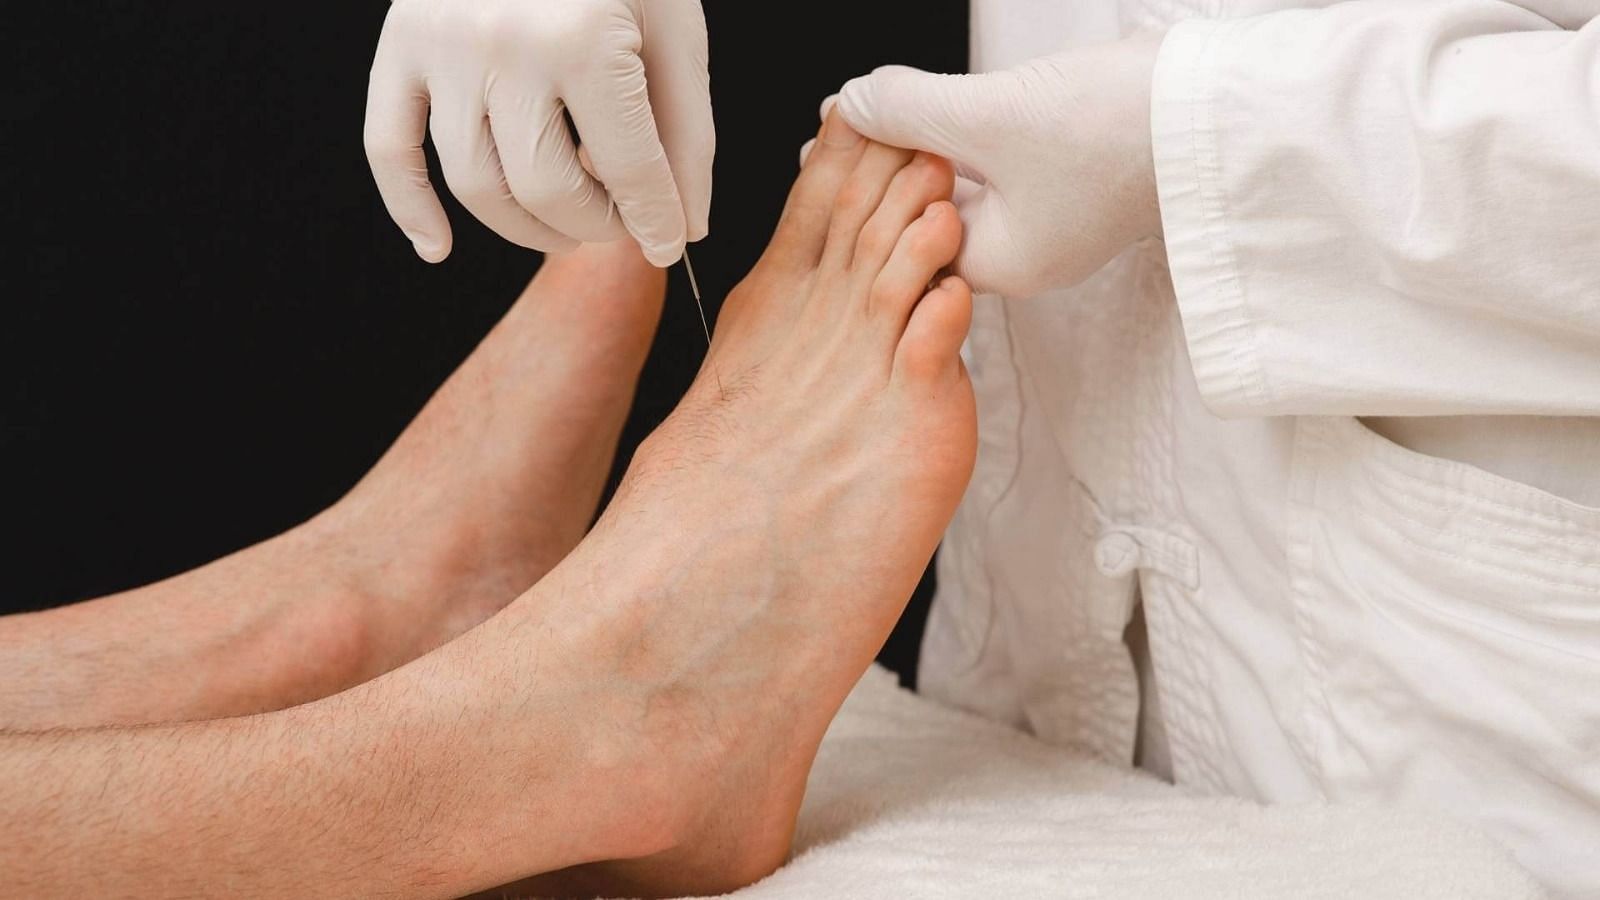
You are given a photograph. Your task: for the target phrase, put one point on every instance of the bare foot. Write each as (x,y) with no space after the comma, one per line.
(769,534)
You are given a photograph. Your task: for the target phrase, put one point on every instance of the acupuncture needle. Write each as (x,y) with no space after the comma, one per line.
(694,288)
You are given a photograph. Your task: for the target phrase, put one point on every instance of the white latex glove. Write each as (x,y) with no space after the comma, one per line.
(1055,156)
(491,78)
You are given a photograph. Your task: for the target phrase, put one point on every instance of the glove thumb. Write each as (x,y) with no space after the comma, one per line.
(918,110)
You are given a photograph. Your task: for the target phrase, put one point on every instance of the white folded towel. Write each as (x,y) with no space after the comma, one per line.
(912,799)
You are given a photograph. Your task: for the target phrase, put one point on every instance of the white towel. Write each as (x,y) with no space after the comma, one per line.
(911,799)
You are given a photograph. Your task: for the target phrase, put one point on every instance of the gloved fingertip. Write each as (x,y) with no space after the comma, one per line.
(892,68)
(849,96)
(856,97)
(663,256)
(564,245)
(430,249)
(697,212)
(853,101)
(962,268)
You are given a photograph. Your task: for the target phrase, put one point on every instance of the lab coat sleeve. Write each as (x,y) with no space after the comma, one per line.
(1382,208)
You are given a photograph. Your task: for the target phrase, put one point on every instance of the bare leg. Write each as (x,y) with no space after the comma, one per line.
(427,782)
(495,481)
(658,697)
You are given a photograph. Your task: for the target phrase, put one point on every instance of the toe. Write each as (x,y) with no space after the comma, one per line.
(930,349)
(926,180)
(803,229)
(926,246)
(859,198)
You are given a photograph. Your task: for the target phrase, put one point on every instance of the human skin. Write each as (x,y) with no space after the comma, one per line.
(494,482)
(1058,147)
(644,717)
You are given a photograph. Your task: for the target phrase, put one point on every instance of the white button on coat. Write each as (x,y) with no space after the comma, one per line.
(1116,555)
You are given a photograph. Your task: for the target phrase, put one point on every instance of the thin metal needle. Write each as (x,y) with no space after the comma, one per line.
(694,287)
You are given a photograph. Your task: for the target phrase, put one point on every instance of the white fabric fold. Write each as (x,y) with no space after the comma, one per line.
(911,799)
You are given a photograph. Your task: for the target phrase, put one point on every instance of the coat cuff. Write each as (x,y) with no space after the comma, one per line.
(1190,183)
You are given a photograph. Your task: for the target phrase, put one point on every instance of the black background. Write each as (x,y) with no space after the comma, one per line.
(211,329)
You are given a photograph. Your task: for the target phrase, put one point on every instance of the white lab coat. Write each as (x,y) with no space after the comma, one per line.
(1350,463)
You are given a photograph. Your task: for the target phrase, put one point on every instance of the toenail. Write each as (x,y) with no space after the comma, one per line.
(838,133)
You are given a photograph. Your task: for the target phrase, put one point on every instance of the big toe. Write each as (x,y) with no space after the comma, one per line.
(930,349)
(803,230)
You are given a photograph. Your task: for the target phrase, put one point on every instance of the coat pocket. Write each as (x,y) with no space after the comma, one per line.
(1450,625)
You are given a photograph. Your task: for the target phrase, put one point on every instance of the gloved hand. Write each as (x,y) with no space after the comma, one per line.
(491,78)
(1056,156)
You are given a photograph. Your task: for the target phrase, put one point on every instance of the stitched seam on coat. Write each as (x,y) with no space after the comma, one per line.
(1366,498)
(1301,559)
(1443,611)
(1480,562)
(1480,498)
(1401,457)
(1406,457)
(1466,512)
(1214,202)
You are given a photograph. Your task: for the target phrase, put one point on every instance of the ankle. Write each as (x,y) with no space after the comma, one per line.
(336,616)
(415,574)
